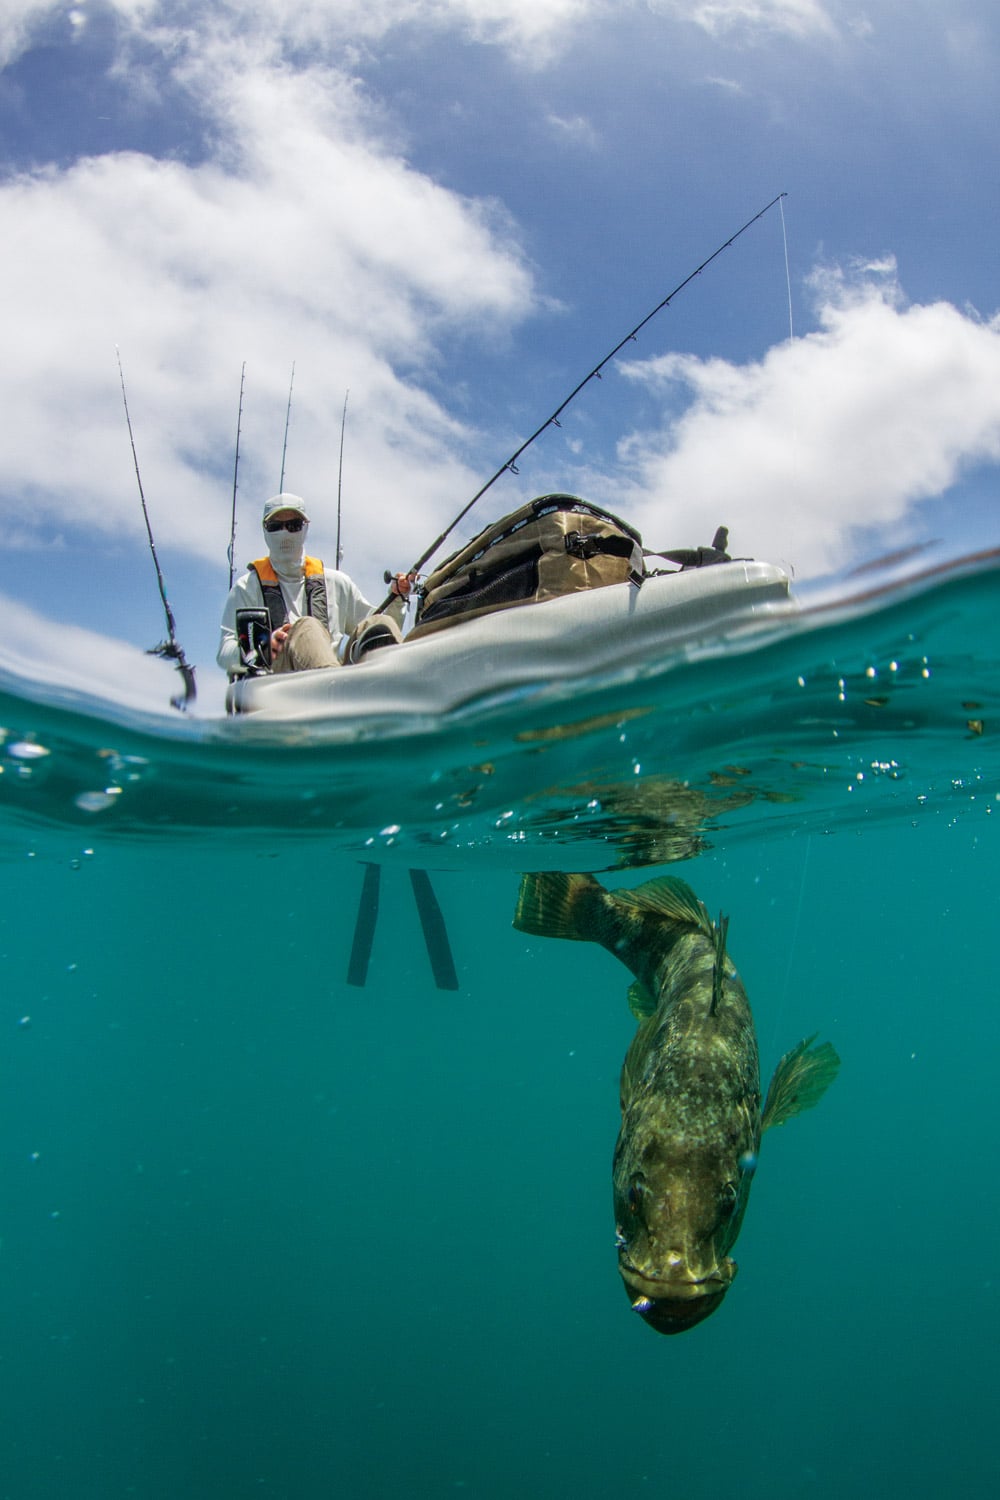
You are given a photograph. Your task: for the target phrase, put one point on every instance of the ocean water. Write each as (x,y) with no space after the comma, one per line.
(267,1233)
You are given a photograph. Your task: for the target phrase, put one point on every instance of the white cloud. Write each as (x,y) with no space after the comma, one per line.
(530,29)
(576,129)
(796,18)
(830,440)
(37,654)
(307,238)
(17,19)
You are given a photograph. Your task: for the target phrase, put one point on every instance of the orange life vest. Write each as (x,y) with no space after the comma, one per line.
(274,599)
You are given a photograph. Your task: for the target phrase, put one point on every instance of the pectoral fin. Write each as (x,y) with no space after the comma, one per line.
(640,1002)
(800,1080)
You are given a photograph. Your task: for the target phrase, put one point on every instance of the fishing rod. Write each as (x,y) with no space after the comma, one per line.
(170,648)
(284,446)
(595,374)
(340,475)
(236,470)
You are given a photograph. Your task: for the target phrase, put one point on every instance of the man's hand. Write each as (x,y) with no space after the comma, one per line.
(278,639)
(402,584)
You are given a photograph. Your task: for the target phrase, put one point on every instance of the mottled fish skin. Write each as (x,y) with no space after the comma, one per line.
(690,1087)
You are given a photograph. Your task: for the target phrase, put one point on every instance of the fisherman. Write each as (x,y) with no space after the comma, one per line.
(303,607)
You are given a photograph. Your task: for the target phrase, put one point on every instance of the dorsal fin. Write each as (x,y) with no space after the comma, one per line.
(719,968)
(672,898)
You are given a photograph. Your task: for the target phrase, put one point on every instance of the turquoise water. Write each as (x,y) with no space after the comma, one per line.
(267,1233)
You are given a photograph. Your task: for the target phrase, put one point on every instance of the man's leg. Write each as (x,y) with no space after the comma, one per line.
(307,645)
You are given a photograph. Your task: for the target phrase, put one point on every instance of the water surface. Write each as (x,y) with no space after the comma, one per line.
(267,1233)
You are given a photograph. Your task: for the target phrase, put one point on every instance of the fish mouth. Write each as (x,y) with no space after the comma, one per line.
(675,1303)
(676,1314)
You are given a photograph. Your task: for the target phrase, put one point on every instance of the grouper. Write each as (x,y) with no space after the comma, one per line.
(691,1118)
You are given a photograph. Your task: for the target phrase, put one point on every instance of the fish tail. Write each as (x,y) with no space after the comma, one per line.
(555,904)
(800,1080)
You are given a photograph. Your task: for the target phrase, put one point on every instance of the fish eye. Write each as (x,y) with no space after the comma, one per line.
(728,1198)
(633,1195)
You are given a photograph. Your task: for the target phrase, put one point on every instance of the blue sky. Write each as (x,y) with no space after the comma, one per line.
(454,208)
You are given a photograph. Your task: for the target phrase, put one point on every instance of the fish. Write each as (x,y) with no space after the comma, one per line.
(691,1114)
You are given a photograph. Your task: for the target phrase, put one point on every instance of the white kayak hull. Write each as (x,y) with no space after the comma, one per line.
(618,630)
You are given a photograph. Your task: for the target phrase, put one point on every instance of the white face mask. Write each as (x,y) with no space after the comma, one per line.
(286,549)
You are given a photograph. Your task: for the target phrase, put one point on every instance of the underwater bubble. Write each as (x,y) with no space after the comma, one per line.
(389,831)
(94,802)
(27,750)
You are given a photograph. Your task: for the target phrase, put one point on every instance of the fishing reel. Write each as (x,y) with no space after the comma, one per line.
(415,590)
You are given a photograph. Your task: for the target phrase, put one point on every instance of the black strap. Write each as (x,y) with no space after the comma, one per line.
(578,545)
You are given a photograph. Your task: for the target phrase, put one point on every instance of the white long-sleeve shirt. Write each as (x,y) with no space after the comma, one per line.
(346,604)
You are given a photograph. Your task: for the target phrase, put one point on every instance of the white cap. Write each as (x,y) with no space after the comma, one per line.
(282,502)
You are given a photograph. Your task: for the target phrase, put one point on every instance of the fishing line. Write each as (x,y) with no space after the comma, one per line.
(794,942)
(788,277)
(169,649)
(236,470)
(793,425)
(595,374)
(284,445)
(340,474)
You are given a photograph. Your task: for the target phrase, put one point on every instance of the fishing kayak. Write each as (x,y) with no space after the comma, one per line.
(620,631)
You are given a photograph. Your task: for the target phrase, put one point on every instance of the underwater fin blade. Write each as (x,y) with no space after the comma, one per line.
(364,927)
(435,932)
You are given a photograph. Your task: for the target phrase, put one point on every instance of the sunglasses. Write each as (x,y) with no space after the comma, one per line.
(294,523)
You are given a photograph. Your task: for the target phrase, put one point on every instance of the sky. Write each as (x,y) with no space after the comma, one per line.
(445,213)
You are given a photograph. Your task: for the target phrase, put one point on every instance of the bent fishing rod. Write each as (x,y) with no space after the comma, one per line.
(170,649)
(510,466)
